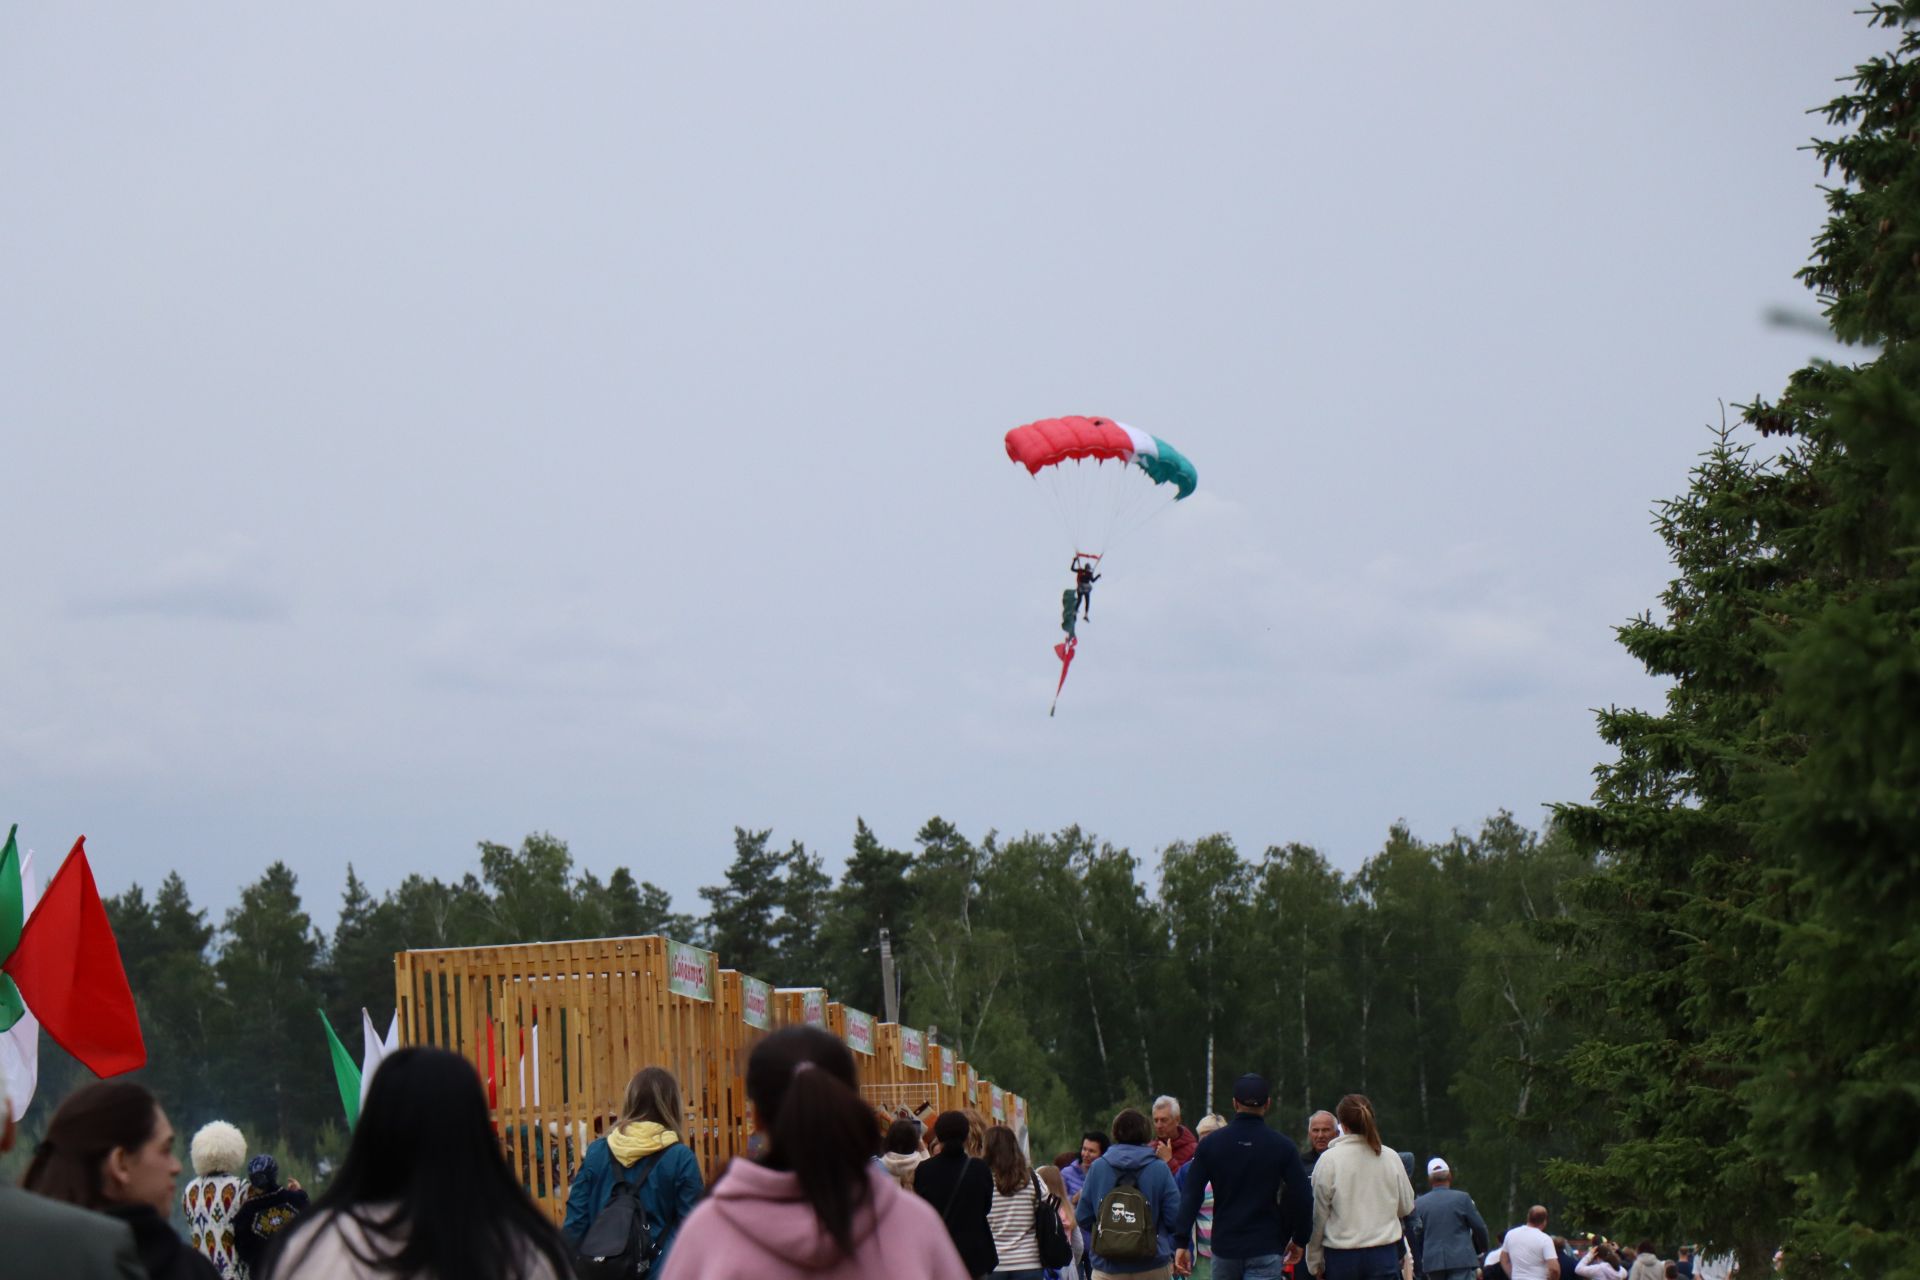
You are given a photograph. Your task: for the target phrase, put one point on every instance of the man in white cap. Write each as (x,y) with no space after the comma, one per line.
(48,1240)
(1445,1230)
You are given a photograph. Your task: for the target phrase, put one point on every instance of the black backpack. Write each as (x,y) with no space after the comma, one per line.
(1055,1249)
(620,1244)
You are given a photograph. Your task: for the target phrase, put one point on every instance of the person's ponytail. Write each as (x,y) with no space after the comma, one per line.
(1355,1114)
(802,1084)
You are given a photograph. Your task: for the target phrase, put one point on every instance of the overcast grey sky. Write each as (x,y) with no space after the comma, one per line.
(432,423)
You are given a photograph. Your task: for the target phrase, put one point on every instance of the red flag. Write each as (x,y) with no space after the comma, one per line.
(68,969)
(1064,651)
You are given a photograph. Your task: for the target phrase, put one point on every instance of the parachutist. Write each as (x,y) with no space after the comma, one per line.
(1047,447)
(1083,578)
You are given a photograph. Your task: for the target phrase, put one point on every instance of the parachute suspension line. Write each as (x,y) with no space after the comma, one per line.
(1100,503)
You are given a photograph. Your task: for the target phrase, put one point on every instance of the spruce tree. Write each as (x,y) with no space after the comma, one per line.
(1838,1089)
(741,921)
(1679,925)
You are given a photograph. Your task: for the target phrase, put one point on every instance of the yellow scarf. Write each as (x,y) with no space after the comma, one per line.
(639,1138)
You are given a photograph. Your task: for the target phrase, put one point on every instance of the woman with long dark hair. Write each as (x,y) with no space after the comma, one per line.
(1360,1194)
(643,1147)
(816,1205)
(110,1148)
(424,1190)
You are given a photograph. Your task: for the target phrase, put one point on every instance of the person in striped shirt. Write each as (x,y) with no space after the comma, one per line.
(1016,1199)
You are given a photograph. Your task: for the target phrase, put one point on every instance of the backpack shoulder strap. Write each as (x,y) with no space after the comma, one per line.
(626,1174)
(958,1178)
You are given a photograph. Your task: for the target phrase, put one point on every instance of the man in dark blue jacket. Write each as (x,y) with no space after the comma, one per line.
(1262,1200)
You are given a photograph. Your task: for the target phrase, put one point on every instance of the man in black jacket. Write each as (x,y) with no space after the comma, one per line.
(270,1209)
(961,1188)
(1262,1200)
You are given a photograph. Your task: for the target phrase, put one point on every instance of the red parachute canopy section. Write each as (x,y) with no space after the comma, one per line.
(1053,440)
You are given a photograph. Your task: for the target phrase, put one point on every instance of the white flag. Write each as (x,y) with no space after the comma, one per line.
(20,1045)
(374,1050)
(536,1065)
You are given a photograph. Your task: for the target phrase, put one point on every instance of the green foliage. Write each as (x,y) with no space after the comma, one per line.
(1838,1082)
(1761,1051)
(1679,926)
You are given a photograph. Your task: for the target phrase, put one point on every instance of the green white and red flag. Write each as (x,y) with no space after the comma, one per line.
(19,1031)
(66,967)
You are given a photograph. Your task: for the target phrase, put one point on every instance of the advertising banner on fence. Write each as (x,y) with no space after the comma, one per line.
(860,1032)
(999,1096)
(946,1067)
(1019,1111)
(913,1049)
(690,971)
(813,1009)
(756,1002)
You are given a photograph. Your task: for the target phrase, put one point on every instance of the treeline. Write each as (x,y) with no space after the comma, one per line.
(1067,967)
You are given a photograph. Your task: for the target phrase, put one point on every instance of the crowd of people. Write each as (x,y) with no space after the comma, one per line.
(834,1190)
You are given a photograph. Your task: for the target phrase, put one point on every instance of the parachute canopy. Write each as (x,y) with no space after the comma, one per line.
(1052,441)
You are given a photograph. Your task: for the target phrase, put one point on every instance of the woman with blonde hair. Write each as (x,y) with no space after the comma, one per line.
(644,1150)
(1056,1185)
(1360,1194)
(977,1126)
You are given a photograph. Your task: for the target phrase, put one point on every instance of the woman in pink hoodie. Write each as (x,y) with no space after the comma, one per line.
(816,1205)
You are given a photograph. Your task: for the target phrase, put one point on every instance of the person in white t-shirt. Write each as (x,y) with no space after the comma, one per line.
(1528,1253)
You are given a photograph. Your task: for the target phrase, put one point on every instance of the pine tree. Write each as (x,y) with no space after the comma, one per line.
(873,894)
(273,1068)
(741,922)
(360,962)
(805,889)
(643,907)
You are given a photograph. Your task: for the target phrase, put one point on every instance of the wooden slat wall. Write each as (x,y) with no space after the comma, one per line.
(602,1011)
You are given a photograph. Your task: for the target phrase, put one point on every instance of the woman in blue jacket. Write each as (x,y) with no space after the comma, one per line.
(1132,1153)
(648,1131)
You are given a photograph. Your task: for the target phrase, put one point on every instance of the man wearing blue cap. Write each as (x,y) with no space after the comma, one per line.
(1262,1200)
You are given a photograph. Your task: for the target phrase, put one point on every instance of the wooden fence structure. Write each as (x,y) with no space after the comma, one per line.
(556,1030)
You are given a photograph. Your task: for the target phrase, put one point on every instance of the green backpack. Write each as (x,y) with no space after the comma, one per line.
(1124,1230)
